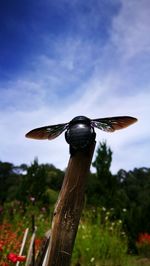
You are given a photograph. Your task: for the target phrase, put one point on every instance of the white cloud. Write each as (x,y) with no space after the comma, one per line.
(131,29)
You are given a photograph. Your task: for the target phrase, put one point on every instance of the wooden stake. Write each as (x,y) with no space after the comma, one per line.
(23,244)
(43,250)
(68,209)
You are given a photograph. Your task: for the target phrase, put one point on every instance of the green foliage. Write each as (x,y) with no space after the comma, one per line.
(136,187)
(102,186)
(24,181)
(33,184)
(128,191)
(100,241)
(52,195)
(103,160)
(8,181)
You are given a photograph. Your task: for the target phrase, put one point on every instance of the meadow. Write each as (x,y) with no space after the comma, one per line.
(100,240)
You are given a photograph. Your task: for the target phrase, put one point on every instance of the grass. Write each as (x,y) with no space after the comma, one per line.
(100,240)
(100,243)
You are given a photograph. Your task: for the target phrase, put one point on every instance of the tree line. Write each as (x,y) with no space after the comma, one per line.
(127,193)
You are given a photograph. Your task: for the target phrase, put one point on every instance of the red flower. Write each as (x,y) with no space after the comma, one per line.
(14,257)
(1,247)
(21,258)
(144,238)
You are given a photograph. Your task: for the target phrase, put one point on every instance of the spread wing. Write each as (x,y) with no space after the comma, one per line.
(47,132)
(110,124)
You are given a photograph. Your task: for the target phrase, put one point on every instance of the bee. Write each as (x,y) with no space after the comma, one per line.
(79,132)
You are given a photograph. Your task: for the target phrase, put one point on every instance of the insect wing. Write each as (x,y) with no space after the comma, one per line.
(47,132)
(110,124)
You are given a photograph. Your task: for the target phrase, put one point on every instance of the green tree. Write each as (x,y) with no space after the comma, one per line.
(8,181)
(135,185)
(103,160)
(54,177)
(102,185)
(38,180)
(33,183)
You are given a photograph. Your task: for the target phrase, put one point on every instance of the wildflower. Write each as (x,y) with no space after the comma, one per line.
(143,245)
(92,259)
(43,209)
(32,199)
(144,238)
(37,243)
(106,218)
(1,245)
(21,258)
(14,257)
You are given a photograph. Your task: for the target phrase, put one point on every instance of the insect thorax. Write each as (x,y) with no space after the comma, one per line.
(80,119)
(80,133)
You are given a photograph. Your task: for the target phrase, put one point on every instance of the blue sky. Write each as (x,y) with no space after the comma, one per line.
(62,58)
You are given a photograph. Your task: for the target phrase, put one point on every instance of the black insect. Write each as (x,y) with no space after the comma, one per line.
(80,130)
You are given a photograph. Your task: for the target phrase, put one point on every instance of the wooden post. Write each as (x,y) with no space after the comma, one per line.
(68,209)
